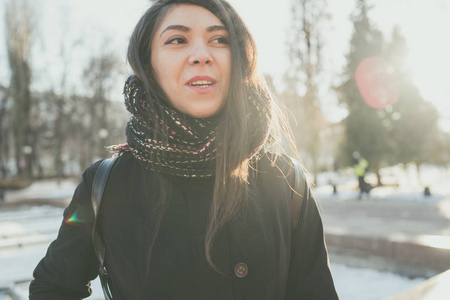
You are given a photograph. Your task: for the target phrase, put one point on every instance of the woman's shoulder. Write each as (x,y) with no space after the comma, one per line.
(124,162)
(275,165)
(275,162)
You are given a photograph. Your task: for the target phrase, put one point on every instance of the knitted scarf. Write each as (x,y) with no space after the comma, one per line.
(190,149)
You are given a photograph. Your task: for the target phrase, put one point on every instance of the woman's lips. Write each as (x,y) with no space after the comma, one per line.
(202,84)
(203,89)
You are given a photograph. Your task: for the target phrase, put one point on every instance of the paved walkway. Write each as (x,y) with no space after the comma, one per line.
(407,237)
(414,232)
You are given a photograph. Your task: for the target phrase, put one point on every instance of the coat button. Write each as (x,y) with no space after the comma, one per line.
(241,270)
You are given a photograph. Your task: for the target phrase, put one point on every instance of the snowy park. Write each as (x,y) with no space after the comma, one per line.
(356,88)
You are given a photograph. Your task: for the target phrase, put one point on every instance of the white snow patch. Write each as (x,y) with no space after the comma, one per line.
(400,184)
(44,189)
(368,284)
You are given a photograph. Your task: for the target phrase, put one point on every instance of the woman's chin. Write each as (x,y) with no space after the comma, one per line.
(202,113)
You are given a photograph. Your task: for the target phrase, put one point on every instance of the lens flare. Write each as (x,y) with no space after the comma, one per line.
(74,218)
(377,82)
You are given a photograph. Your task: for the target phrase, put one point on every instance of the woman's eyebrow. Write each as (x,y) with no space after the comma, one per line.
(216,28)
(187,29)
(176,27)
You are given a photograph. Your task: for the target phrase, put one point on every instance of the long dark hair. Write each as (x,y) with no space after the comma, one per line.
(231,188)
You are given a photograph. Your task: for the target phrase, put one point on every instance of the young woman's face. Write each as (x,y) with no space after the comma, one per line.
(191,59)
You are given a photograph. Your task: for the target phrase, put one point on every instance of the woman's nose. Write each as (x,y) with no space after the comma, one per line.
(200,55)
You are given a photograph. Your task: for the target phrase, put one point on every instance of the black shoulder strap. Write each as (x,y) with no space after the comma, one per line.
(299,191)
(100,178)
(98,186)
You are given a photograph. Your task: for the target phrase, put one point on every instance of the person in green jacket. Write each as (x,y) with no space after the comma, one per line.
(360,168)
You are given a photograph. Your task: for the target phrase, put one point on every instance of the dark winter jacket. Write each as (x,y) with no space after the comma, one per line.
(273,260)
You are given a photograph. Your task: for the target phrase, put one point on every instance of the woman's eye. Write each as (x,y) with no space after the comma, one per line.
(176,41)
(220,40)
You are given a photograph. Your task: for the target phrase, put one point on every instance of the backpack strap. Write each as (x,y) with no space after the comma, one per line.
(298,194)
(100,178)
(98,186)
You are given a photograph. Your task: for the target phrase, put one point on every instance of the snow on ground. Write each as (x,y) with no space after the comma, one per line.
(18,262)
(400,184)
(48,189)
(22,226)
(351,283)
(368,284)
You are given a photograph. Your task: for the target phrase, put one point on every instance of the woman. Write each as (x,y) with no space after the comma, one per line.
(196,207)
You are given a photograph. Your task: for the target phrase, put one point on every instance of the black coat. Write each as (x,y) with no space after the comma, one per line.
(280,262)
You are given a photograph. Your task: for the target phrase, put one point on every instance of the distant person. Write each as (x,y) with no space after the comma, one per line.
(196,205)
(360,166)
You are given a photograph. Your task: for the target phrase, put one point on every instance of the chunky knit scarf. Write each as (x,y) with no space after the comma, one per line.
(190,149)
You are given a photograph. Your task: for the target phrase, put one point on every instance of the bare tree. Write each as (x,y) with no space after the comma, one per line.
(302,93)
(20,21)
(99,75)
(63,118)
(4,131)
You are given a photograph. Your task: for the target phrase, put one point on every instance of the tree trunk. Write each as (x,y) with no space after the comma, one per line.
(419,177)
(59,137)
(20,28)
(4,135)
(379,182)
